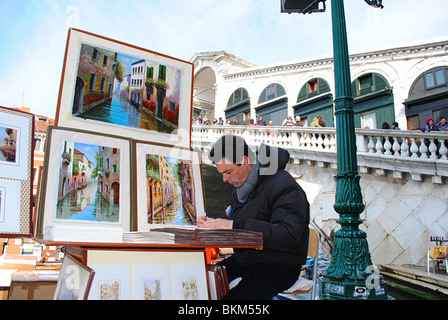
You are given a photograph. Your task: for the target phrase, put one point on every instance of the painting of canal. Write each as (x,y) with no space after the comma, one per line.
(8,145)
(89,183)
(127,91)
(170,191)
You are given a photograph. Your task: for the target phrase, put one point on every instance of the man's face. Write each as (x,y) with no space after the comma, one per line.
(443,121)
(232,173)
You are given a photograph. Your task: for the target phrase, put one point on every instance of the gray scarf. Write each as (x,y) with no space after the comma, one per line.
(248,186)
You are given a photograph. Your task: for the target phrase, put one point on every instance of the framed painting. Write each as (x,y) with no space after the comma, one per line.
(118,88)
(16,160)
(75,280)
(189,281)
(147,274)
(169,186)
(86,189)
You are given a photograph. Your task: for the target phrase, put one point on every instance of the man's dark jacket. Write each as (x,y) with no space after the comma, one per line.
(279,209)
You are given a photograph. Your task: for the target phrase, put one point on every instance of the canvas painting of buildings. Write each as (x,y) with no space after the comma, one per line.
(8,144)
(127,91)
(89,183)
(170,191)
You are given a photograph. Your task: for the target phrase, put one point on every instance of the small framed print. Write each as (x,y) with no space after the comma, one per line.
(16,156)
(169,187)
(86,193)
(75,280)
(116,88)
(147,274)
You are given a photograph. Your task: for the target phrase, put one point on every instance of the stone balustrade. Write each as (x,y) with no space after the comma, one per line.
(401,154)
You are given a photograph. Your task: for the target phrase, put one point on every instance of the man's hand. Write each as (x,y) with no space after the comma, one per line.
(210,223)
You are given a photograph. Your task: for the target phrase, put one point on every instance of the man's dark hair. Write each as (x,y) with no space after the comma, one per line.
(231,147)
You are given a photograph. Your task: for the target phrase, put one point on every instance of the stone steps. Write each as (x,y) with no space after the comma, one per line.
(435,283)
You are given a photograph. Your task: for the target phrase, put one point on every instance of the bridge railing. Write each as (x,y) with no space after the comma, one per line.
(403,153)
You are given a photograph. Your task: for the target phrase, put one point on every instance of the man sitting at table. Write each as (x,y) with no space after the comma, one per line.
(265,199)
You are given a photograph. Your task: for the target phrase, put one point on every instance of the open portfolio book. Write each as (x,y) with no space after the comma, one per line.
(206,237)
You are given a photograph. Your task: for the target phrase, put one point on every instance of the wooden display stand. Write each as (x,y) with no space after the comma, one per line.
(133,271)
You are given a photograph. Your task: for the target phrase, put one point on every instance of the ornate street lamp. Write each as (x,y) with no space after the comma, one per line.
(351,274)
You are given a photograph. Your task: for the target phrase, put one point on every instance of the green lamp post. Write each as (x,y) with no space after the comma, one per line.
(351,274)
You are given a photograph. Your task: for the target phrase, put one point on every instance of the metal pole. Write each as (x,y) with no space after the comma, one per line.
(350,274)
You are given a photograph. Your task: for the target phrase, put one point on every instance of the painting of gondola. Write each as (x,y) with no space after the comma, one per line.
(122,89)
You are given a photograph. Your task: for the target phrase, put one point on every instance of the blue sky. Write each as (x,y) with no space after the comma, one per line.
(33,34)
(89,150)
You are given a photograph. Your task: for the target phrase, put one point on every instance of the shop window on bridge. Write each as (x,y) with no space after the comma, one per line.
(246,116)
(315,98)
(435,78)
(271,92)
(430,82)
(273,104)
(413,122)
(238,96)
(428,97)
(368,120)
(238,106)
(369,83)
(312,88)
(373,101)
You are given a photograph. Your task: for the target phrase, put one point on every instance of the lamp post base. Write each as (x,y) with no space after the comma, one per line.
(373,288)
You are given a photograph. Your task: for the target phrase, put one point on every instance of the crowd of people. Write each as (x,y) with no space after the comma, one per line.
(318,121)
(430,126)
(440,126)
(288,122)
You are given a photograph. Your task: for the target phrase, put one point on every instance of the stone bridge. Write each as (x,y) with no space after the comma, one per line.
(403,181)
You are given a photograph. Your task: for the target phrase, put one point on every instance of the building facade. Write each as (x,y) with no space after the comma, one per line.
(407,84)
(156,89)
(95,78)
(187,189)
(109,174)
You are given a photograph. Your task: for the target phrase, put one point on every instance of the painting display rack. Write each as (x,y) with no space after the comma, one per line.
(143,271)
(118,165)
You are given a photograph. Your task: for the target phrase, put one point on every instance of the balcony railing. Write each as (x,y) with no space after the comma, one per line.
(404,153)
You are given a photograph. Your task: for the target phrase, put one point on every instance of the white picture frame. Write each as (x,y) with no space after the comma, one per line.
(168,90)
(89,219)
(147,210)
(16,170)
